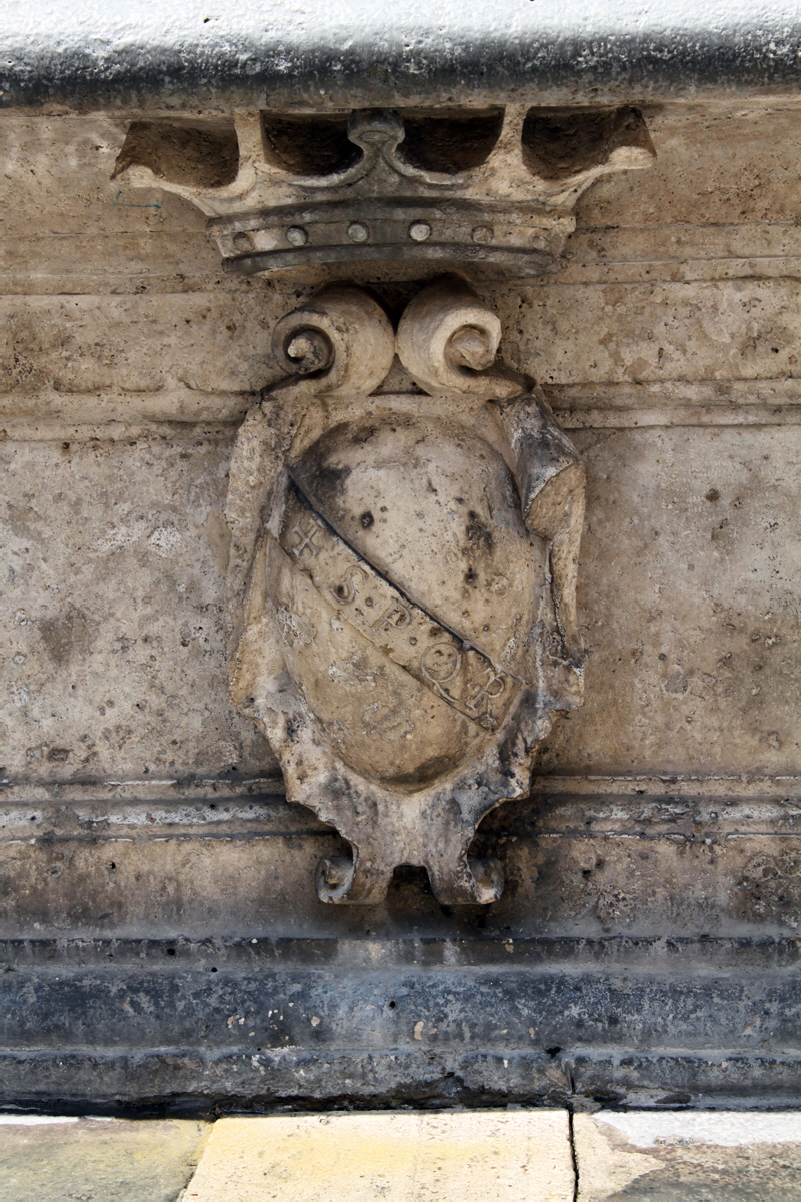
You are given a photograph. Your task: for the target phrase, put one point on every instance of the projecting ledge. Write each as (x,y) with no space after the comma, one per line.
(214,1025)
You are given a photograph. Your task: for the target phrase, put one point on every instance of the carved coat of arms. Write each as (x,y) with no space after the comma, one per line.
(403,566)
(402,582)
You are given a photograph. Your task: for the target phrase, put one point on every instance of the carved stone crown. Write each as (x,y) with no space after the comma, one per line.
(493,186)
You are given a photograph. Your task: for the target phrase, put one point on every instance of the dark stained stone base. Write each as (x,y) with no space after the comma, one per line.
(203,1027)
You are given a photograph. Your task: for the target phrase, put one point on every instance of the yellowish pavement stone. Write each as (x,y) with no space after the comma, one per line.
(96,1160)
(723,1156)
(522,1156)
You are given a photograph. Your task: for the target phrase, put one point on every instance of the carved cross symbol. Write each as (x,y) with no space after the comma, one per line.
(306,541)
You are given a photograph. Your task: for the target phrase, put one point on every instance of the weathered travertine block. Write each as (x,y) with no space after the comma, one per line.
(219,343)
(61,168)
(135,345)
(113,561)
(724,163)
(716,330)
(225,861)
(653,879)
(721,699)
(691,562)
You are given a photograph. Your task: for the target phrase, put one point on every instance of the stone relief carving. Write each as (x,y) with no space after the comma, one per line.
(494,188)
(402,582)
(403,564)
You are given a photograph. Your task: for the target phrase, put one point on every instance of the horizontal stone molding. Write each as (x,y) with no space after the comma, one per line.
(219,343)
(120,417)
(774,402)
(412,1032)
(522,1009)
(43,429)
(678,415)
(216,860)
(186,1080)
(654,955)
(53,62)
(169,792)
(182,261)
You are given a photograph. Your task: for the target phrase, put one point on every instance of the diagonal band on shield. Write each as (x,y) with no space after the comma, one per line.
(452,668)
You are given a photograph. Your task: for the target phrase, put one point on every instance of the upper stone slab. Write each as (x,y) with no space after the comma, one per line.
(358,52)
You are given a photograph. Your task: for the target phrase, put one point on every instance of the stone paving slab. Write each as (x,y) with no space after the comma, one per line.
(96,1160)
(491,1155)
(704,1156)
(638,1156)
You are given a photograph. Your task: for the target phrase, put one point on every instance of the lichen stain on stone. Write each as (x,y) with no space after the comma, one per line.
(66,636)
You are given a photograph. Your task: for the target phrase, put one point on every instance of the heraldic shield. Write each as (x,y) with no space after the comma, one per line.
(402,581)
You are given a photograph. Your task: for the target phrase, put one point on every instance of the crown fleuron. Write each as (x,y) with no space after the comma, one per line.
(489,187)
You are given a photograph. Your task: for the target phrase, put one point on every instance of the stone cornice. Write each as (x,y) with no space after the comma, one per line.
(343,54)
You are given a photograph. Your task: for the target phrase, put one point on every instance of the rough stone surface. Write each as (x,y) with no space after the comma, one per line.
(667,1158)
(219,1024)
(113,663)
(661,847)
(97,1160)
(393,1156)
(723,698)
(693,645)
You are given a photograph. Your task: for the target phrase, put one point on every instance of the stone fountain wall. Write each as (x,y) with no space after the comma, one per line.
(156,906)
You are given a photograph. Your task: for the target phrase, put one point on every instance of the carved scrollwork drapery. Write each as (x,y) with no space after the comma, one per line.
(402,586)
